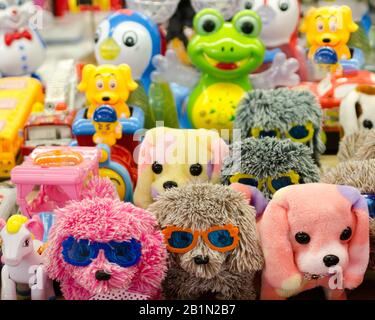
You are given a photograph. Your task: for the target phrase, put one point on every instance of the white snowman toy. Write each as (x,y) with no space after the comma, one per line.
(22,50)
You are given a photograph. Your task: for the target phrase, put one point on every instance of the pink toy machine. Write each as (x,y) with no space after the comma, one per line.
(51,176)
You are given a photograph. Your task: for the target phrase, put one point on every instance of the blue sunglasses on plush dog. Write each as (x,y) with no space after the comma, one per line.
(81,252)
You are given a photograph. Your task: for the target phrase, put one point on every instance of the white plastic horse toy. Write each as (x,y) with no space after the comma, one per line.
(22,258)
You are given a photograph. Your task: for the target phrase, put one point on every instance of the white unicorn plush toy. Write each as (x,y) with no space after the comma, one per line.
(22,49)
(22,258)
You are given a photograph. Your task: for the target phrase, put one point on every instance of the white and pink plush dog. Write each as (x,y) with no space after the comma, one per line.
(170,158)
(314,235)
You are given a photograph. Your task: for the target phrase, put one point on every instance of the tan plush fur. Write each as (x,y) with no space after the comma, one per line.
(349,145)
(229,275)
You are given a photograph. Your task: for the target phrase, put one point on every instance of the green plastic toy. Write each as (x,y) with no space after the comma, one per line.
(162,104)
(226,53)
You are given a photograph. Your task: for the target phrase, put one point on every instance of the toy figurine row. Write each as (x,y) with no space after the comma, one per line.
(196,238)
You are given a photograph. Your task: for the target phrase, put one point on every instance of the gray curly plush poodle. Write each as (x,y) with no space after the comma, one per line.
(269,164)
(282,113)
(203,271)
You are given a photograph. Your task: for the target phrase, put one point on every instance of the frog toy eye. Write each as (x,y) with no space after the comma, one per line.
(208,21)
(247,23)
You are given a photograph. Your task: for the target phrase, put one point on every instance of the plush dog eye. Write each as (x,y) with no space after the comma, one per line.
(99,84)
(284,5)
(346,234)
(3,5)
(157,168)
(196,169)
(302,237)
(113,84)
(130,39)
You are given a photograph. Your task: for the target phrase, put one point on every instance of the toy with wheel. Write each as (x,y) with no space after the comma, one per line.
(117,173)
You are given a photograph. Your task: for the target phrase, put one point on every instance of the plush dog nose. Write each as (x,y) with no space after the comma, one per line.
(101,275)
(201,259)
(326,40)
(331,260)
(105,98)
(169,185)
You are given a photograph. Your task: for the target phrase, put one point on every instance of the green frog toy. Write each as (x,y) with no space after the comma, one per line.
(225,56)
(226,53)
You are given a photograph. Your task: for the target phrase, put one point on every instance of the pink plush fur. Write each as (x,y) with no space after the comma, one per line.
(101,188)
(322,211)
(103,220)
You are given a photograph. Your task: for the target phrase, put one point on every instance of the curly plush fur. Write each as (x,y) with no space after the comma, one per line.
(281,109)
(101,188)
(359,145)
(103,220)
(269,157)
(230,275)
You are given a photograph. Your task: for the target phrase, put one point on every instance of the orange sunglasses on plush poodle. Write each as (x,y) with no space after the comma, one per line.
(220,238)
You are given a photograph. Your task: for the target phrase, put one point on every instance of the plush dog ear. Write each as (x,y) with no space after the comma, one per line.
(35,226)
(280,270)
(253,196)
(142,192)
(359,248)
(305,22)
(87,71)
(127,75)
(219,150)
(350,110)
(348,19)
(247,256)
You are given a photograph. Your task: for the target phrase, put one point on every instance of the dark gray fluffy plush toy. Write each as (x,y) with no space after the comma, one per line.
(282,112)
(268,159)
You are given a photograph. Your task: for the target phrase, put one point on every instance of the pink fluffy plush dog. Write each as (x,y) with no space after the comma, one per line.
(103,248)
(314,235)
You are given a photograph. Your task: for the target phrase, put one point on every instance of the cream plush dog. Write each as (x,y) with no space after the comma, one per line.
(174,157)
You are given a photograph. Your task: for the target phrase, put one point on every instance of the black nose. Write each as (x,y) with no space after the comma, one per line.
(326,40)
(367,124)
(331,260)
(102,275)
(169,185)
(201,260)
(105,98)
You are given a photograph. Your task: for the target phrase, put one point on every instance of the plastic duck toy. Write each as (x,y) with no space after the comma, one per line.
(225,52)
(129,37)
(107,84)
(107,128)
(329,28)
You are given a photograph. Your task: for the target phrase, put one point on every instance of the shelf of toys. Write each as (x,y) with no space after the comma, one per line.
(176,149)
